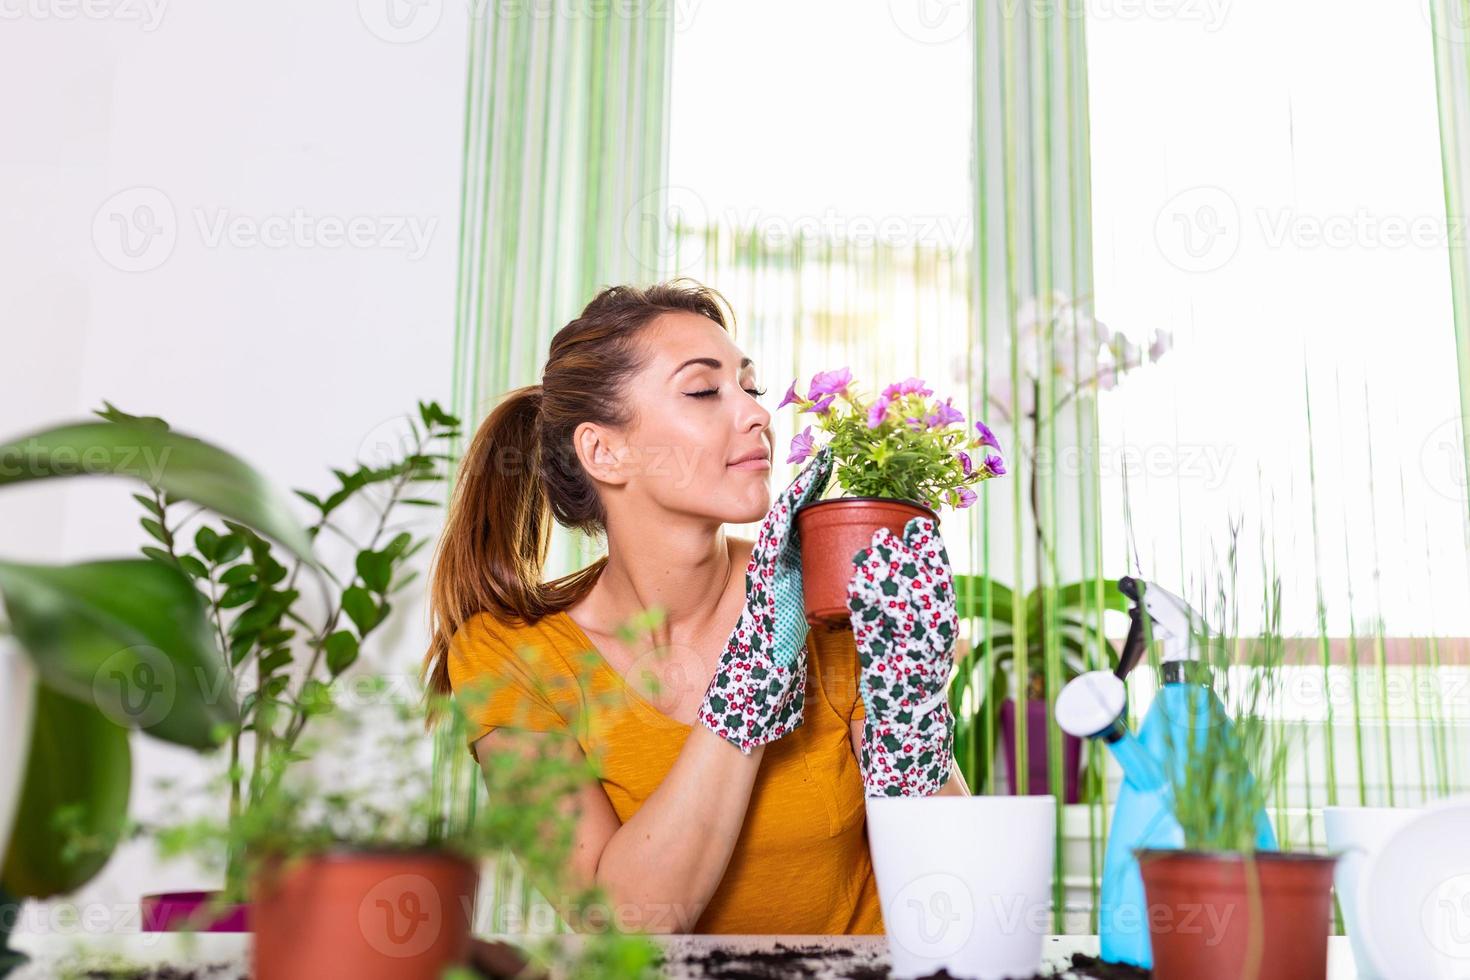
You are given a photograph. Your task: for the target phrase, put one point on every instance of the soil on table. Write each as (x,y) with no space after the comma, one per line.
(812,961)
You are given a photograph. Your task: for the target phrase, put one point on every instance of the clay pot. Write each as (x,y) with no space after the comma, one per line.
(189,912)
(1205,914)
(363,914)
(831,532)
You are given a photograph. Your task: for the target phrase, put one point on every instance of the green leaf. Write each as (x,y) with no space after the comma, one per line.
(79,767)
(361,608)
(239,595)
(231,546)
(129,636)
(207,541)
(158,554)
(376,570)
(149,504)
(193,566)
(238,575)
(275,661)
(184,467)
(342,650)
(154,528)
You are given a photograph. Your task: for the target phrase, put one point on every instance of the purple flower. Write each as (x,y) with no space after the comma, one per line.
(900,388)
(945,414)
(790,396)
(801,446)
(995,465)
(830,382)
(987,438)
(968,466)
(967,497)
(876,411)
(822,404)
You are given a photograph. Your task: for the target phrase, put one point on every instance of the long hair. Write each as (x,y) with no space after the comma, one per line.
(520,471)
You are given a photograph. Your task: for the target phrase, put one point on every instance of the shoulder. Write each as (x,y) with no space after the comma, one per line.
(486,643)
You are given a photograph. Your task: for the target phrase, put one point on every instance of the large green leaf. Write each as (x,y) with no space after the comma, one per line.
(74,803)
(129,636)
(182,466)
(970,597)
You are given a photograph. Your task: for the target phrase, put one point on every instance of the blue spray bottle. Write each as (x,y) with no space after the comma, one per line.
(1095,705)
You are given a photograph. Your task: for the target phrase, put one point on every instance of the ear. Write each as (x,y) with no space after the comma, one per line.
(601,452)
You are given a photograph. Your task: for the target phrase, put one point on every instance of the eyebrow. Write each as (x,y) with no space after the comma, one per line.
(709,362)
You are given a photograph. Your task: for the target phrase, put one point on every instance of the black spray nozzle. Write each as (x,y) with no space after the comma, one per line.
(1137,641)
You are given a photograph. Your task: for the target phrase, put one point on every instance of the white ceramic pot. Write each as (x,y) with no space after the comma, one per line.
(1414,896)
(1357,832)
(17,703)
(964,882)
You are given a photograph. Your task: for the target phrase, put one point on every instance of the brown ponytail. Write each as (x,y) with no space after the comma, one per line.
(520,470)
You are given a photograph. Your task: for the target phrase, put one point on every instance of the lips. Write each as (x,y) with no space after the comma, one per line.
(761,455)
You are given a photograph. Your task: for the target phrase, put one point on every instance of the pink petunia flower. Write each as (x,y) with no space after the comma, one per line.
(830,382)
(790,396)
(801,446)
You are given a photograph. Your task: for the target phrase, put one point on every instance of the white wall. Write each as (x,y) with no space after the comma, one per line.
(274,117)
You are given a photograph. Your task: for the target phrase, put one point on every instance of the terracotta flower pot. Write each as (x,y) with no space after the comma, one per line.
(1208,920)
(363,914)
(831,532)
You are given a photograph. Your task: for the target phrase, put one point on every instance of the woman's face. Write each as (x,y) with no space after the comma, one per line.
(695,414)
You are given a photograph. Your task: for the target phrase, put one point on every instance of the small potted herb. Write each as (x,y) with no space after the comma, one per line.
(897,455)
(357,862)
(1219,906)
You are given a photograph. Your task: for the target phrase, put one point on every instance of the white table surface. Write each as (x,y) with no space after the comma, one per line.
(227,955)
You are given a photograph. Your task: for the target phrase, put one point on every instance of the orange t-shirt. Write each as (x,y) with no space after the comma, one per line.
(801,865)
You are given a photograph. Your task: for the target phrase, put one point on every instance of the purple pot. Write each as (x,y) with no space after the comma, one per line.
(177,911)
(1038,773)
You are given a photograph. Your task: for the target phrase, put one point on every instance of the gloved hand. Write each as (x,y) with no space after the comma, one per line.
(902,603)
(759,687)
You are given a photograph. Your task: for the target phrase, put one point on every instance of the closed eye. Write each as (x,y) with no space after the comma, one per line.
(756,392)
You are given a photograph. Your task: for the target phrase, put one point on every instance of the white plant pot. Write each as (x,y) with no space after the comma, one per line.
(1358,832)
(17,703)
(964,882)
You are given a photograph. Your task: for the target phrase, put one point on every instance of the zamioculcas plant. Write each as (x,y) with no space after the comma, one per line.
(92,650)
(895,456)
(283,652)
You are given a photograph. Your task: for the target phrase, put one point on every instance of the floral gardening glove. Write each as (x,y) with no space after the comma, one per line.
(902,603)
(759,687)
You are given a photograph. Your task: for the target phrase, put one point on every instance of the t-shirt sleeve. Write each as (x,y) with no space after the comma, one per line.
(503,680)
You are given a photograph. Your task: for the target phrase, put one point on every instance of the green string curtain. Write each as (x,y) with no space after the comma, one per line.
(565,157)
(1450,22)
(1031,315)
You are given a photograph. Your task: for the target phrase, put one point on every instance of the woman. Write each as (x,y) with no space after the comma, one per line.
(733,801)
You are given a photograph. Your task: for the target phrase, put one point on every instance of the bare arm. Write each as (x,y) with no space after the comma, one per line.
(955,786)
(659,869)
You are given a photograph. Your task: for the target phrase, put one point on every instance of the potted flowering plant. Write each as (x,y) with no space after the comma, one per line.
(898,455)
